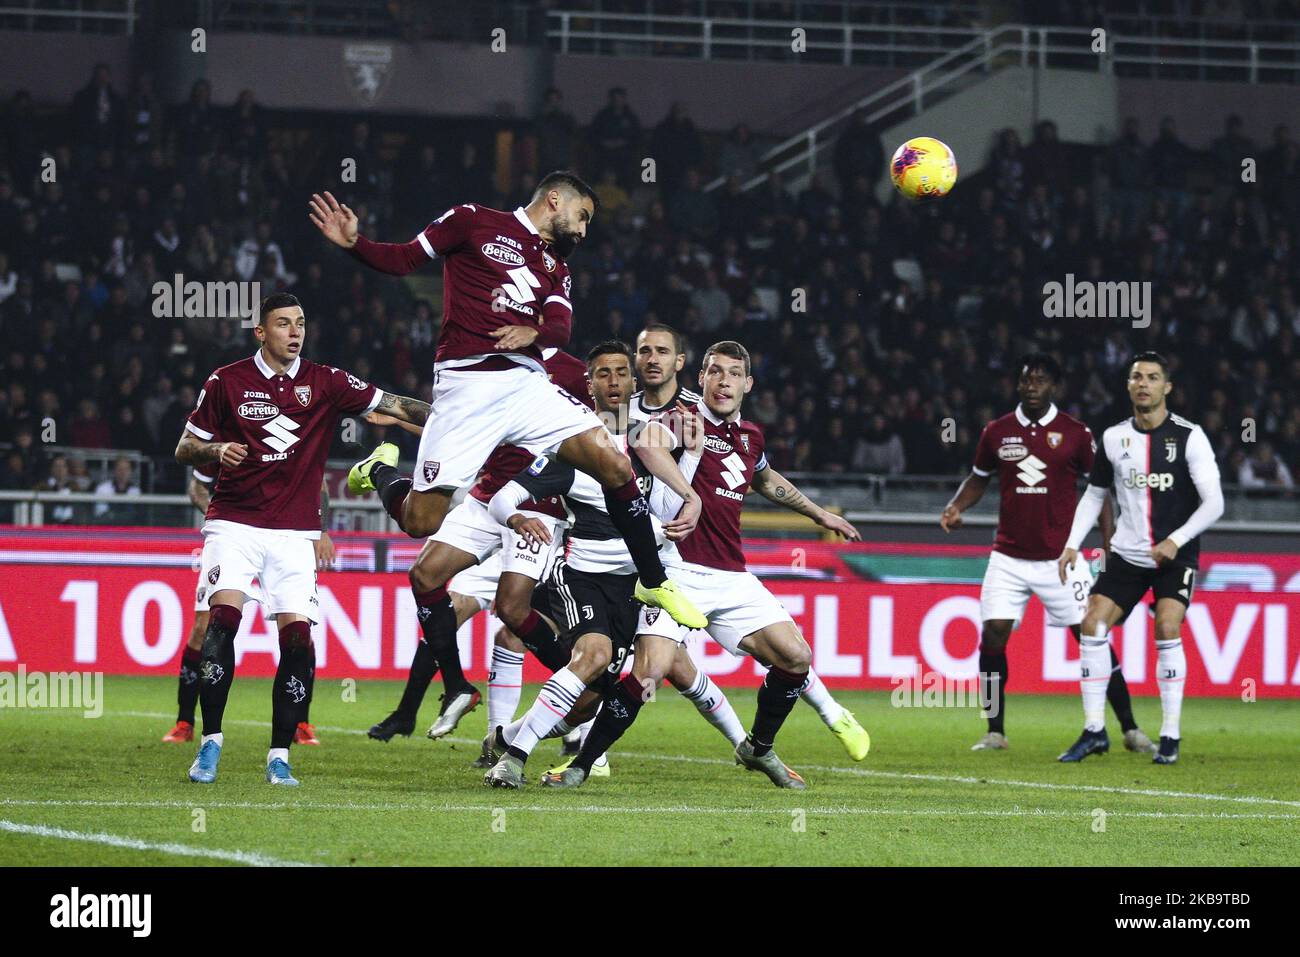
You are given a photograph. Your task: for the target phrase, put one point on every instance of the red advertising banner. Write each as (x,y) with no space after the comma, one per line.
(134,620)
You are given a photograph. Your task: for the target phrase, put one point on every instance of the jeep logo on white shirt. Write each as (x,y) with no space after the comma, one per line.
(1160,481)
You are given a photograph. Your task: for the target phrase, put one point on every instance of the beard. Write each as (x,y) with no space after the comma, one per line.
(565,239)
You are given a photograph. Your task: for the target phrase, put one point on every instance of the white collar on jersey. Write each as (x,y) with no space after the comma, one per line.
(709,416)
(523,218)
(1048,416)
(270,373)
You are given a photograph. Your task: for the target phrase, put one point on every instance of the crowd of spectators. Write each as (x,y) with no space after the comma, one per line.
(884,335)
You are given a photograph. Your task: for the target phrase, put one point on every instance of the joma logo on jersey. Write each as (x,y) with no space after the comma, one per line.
(1159,481)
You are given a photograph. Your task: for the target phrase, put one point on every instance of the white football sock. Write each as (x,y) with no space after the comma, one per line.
(281,753)
(716,709)
(561,729)
(508,731)
(554,701)
(1094,676)
(219,737)
(815,694)
(505,685)
(584,729)
(1171,675)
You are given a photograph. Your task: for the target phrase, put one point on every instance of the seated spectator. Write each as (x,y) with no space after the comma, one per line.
(1263,469)
(880,449)
(122,482)
(59,481)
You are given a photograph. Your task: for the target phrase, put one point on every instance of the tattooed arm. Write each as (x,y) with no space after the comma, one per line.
(775,487)
(192,450)
(403,408)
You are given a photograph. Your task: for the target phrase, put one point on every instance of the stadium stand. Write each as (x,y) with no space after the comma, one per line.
(211,188)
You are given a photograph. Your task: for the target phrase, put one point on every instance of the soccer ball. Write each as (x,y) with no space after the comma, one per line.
(923,168)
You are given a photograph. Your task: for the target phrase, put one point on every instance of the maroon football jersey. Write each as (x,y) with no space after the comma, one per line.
(570,374)
(1038,465)
(497,270)
(287,420)
(733,452)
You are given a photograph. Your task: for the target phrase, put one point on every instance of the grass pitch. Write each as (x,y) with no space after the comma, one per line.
(106,791)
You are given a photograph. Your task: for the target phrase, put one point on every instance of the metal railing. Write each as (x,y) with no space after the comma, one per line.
(1023,45)
(864,499)
(72,16)
(1205,29)
(730,38)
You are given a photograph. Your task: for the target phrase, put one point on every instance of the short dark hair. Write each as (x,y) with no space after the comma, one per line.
(729,348)
(610,347)
(1039,362)
(1152,356)
(277,300)
(679,343)
(566,179)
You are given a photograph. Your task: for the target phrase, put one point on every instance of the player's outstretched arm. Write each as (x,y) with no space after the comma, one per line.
(544,478)
(336,221)
(404,409)
(775,487)
(968,493)
(338,224)
(376,418)
(193,451)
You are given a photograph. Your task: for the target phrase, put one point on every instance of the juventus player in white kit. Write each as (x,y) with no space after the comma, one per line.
(1165,481)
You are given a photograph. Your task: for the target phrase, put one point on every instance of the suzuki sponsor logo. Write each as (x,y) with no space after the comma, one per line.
(733,470)
(1157,481)
(1031,471)
(280,431)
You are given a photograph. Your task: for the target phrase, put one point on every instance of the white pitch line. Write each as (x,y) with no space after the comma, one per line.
(624,809)
(866,773)
(250,858)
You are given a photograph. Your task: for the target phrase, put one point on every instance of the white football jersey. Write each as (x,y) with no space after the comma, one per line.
(1158,479)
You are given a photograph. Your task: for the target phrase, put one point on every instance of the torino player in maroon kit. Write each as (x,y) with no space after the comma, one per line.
(268,421)
(1039,453)
(744,617)
(469,536)
(506,296)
